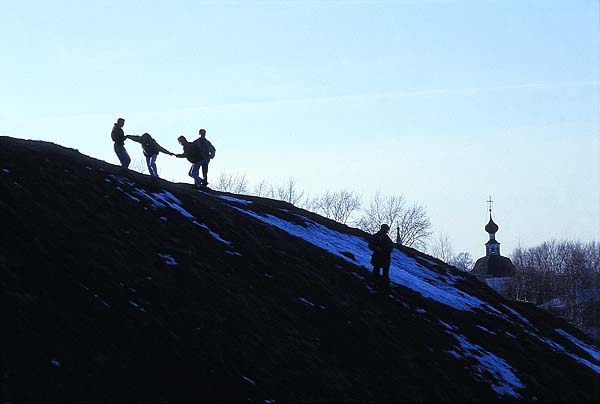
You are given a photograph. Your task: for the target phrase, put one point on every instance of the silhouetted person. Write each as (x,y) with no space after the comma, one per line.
(118,137)
(207,152)
(192,152)
(151,149)
(381,245)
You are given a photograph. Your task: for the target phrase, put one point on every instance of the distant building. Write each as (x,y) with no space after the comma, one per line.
(494,269)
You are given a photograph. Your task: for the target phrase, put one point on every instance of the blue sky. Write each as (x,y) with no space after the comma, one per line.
(444,101)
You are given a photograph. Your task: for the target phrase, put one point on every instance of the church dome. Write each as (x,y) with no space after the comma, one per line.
(494,266)
(491,227)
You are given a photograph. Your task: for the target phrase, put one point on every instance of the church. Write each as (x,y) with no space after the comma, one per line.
(494,269)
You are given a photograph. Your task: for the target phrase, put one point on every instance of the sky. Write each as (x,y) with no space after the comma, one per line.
(443,101)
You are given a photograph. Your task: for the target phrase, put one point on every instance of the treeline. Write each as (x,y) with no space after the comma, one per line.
(409,222)
(560,275)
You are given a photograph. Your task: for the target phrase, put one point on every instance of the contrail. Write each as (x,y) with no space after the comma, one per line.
(397,94)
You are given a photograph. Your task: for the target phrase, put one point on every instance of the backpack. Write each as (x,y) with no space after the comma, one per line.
(193,151)
(116,134)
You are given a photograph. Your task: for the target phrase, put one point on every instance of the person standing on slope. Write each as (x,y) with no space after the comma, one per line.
(381,245)
(207,153)
(151,149)
(118,136)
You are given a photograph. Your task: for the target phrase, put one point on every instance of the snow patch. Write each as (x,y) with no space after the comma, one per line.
(558,347)
(519,316)
(491,368)
(447,326)
(404,270)
(212,233)
(169,260)
(306,302)
(232,199)
(247,379)
(592,351)
(486,330)
(133,198)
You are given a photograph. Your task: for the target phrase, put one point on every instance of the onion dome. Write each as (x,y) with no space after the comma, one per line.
(491,227)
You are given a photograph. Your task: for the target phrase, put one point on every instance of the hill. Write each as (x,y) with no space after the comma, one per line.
(116,288)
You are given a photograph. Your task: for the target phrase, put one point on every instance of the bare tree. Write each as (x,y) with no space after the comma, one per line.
(289,192)
(338,205)
(462,261)
(412,222)
(441,247)
(414,226)
(138,165)
(234,183)
(559,275)
(263,189)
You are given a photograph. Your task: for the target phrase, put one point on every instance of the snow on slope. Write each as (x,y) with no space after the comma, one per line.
(162,200)
(404,270)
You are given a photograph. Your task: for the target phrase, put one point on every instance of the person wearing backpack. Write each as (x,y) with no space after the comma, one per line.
(207,152)
(118,136)
(381,245)
(150,149)
(191,151)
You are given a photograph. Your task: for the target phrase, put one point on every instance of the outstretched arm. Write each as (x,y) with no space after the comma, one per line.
(163,150)
(134,138)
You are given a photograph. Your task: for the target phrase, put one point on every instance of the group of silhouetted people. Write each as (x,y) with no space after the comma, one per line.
(198,152)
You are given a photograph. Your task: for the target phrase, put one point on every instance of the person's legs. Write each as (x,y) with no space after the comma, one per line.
(386,271)
(205,171)
(151,161)
(122,155)
(194,173)
(149,165)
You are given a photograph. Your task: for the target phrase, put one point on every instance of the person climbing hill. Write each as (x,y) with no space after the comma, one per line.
(151,149)
(199,153)
(118,136)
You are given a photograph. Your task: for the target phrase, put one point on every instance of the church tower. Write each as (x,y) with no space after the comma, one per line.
(492,247)
(494,269)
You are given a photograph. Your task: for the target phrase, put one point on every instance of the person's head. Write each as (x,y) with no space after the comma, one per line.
(182,140)
(146,136)
(202,132)
(385,228)
(120,122)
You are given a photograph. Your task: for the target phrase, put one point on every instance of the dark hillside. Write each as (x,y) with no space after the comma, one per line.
(113,288)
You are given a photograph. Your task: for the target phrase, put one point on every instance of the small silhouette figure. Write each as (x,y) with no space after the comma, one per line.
(118,136)
(199,153)
(151,149)
(207,151)
(381,245)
